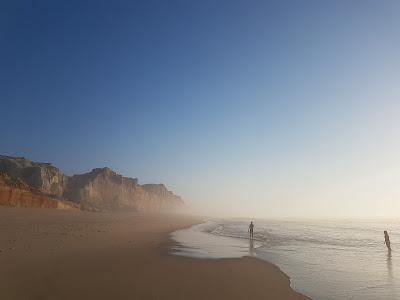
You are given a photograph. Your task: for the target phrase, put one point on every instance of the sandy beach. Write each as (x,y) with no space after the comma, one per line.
(51,254)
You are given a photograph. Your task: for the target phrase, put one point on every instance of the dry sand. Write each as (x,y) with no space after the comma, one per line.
(51,254)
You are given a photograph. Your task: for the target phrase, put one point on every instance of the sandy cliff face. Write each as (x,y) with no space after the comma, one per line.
(103,189)
(100,189)
(14,192)
(23,198)
(160,194)
(41,176)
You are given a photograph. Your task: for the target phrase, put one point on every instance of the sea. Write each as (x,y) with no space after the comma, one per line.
(327,260)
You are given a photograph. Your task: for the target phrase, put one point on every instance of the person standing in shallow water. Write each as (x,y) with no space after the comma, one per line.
(251,227)
(387,240)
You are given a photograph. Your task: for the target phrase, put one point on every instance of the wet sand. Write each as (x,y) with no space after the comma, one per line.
(51,254)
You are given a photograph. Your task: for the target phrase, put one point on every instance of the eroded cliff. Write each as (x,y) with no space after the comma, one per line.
(98,190)
(41,176)
(15,192)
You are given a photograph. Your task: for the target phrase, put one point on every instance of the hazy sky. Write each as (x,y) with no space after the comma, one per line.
(251,108)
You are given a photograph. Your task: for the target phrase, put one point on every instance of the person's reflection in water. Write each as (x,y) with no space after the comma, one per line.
(391,288)
(389,263)
(251,247)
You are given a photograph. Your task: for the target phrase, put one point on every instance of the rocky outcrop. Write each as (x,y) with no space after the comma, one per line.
(101,189)
(41,176)
(160,194)
(14,192)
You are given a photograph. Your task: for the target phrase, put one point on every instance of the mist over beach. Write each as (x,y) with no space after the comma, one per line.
(199,149)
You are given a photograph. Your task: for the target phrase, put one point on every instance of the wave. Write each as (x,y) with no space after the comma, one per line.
(316,236)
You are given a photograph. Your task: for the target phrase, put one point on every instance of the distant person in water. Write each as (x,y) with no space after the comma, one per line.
(251,226)
(387,240)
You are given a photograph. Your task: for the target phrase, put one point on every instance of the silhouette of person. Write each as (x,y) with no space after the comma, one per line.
(387,240)
(251,227)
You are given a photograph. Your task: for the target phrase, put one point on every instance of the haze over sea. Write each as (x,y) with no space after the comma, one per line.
(329,260)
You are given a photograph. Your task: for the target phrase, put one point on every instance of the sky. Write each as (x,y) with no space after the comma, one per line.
(267,109)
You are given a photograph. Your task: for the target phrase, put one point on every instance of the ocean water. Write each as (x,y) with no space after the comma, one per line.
(330,260)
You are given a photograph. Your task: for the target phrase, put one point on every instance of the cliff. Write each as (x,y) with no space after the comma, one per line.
(41,176)
(98,190)
(14,192)
(103,189)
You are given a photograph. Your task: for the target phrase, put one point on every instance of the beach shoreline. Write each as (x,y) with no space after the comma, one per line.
(48,254)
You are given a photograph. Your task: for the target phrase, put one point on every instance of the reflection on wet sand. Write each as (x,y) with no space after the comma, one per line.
(251,247)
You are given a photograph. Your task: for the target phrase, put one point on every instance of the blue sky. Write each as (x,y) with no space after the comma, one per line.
(268,108)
